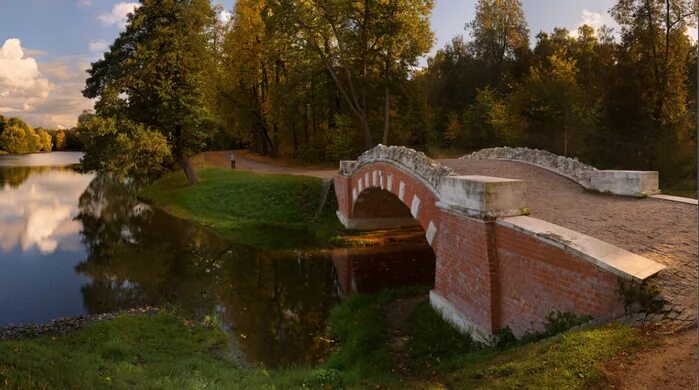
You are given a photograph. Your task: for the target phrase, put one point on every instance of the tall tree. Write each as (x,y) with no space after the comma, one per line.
(406,36)
(350,38)
(500,33)
(155,73)
(651,84)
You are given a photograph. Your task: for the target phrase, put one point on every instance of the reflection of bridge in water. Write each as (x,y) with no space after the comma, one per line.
(369,270)
(496,267)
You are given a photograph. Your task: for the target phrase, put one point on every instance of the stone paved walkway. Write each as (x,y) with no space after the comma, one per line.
(660,230)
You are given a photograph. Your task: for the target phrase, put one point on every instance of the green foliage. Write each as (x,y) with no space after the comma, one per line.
(554,107)
(488,122)
(122,147)
(341,141)
(157,351)
(558,322)
(45,141)
(18,137)
(500,35)
(571,361)
(434,343)
(643,294)
(282,84)
(155,75)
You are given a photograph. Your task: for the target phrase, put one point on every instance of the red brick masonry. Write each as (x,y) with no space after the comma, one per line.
(490,274)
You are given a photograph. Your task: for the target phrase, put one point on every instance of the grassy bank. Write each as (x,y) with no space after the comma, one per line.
(264,210)
(165,351)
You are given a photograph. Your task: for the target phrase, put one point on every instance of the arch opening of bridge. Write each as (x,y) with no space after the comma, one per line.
(495,267)
(404,259)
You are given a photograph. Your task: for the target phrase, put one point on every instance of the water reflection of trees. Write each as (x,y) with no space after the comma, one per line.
(15,176)
(276,303)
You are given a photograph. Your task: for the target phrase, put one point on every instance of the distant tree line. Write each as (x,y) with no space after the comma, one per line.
(324,80)
(16,136)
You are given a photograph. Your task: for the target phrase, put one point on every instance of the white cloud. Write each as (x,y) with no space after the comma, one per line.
(66,102)
(224,16)
(692,33)
(25,86)
(40,212)
(21,83)
(34,52)
(594,20)
(98,46)
(117,16)
(84,3)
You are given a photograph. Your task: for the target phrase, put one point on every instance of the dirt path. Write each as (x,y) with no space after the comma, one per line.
(671,363)
(247,161)
(396,314)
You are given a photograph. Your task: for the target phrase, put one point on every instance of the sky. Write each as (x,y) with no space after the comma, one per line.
(46,45)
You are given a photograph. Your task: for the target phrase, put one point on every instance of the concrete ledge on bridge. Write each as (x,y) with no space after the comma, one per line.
(347,167)
(606,256)
(628,183)
(376,223)
(458,320)
(483,196)
(678,199)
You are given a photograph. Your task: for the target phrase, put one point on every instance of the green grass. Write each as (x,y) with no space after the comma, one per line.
(164,351)
(571,361)
(263,210)
(158,351)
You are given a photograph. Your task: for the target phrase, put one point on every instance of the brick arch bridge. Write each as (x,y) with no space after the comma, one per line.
(496,267)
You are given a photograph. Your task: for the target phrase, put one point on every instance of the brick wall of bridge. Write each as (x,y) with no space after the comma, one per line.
(493,275)
(536,277)
(365,206)
(464,271)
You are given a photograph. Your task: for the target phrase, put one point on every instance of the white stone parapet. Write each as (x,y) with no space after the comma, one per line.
(616,260)
(409,159)
(626,183)
(629,183)
(483,196)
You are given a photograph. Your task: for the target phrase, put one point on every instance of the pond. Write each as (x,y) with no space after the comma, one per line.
(76,243)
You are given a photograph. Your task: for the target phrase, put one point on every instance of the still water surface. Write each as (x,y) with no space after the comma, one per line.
(79,243)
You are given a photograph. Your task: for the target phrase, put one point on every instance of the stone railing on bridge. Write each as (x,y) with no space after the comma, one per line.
(406,158)
(617,182)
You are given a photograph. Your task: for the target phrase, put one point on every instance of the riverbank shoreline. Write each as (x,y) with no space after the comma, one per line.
(370,351)
(66,324)
(268,211)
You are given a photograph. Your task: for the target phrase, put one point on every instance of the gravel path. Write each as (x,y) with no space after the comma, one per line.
(245,161)
(663,231)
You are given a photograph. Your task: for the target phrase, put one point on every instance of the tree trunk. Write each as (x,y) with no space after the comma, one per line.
(387,97)
(295,139)
(192,177)
(387,109)
(368,143)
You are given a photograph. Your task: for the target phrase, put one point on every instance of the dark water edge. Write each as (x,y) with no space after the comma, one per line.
(75,244)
